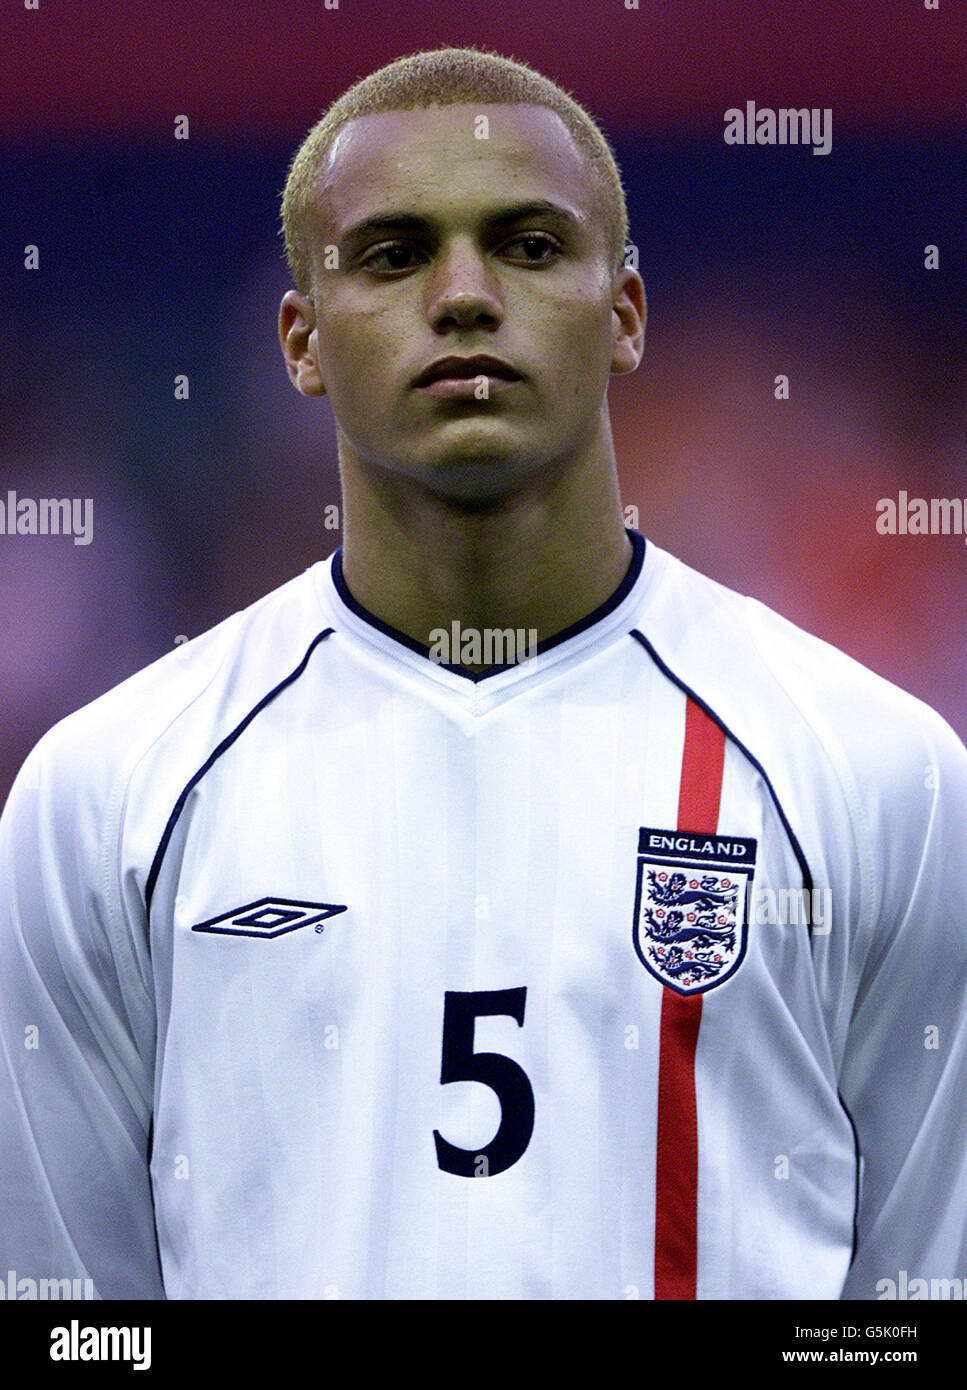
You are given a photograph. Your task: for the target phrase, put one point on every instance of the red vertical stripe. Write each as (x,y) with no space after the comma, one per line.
(676,1175)
(702,762)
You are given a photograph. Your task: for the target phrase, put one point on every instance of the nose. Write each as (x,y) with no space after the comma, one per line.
(463,291)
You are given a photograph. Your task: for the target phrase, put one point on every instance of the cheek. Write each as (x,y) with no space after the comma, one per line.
(365,346)
(582,339)
(350,359)
(583,311)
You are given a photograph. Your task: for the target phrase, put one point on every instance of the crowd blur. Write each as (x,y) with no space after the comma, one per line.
(154,266)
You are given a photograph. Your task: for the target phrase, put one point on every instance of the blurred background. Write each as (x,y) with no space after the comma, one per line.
(160,257)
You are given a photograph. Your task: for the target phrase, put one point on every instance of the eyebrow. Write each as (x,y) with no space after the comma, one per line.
(359,232)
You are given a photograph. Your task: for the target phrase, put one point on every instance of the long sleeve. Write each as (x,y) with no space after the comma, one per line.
(904,1076)
(75,1056)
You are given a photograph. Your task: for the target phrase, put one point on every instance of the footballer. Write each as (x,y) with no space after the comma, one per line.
(356,971)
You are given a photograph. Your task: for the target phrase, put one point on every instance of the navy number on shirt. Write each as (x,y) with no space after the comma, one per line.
(500,1073)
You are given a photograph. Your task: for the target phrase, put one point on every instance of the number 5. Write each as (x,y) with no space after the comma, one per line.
(501,1074)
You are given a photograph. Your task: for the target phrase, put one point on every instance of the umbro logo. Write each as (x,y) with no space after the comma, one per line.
(270,917)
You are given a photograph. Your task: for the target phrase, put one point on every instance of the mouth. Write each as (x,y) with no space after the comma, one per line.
(467,378)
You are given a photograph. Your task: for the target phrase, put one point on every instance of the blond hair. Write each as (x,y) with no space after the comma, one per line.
(445,77)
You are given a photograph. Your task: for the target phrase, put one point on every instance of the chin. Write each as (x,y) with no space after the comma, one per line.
(480,484)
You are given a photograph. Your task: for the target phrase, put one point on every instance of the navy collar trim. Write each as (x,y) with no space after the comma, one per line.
(602,611)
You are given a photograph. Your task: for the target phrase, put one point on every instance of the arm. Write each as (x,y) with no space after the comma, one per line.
(904,1076)
(76,1030)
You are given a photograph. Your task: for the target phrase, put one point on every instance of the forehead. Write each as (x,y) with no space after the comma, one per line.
(434,162)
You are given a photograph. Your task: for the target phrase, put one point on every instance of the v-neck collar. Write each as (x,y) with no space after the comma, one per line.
(419,657)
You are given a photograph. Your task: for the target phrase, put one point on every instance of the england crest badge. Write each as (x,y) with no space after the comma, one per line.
(692,906)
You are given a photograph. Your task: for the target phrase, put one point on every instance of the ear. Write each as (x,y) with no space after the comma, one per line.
(297,334)
(629,312)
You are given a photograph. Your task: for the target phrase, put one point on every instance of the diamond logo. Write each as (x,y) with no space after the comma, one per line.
(270,917)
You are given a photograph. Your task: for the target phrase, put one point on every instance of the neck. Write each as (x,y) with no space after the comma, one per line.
(538,560)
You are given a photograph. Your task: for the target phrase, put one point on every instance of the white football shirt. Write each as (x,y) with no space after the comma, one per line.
(329,971)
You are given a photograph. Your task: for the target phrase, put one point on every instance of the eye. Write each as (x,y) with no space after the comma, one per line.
(391,258)
(539,248)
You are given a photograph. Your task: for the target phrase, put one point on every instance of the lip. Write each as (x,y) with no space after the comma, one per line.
(465,388)
(455,372)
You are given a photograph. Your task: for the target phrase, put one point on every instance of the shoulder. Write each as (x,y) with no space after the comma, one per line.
(867,772)
(168,713)
(765,673)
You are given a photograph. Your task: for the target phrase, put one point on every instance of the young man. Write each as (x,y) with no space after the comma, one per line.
(332,967)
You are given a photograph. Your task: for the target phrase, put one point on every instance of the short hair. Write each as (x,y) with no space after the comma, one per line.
(445,77)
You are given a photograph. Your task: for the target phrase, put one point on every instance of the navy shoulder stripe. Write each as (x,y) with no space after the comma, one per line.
(666,670)
(210,761)
(859,1173)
